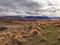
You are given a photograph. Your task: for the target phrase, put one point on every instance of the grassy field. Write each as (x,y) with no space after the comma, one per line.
(40,32)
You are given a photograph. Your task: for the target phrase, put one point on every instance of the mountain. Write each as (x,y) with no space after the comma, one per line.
(36,17)
(30,17)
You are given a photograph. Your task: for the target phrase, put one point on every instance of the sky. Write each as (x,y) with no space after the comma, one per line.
(50,8)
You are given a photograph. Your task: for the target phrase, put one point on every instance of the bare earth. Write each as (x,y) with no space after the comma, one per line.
(20,32)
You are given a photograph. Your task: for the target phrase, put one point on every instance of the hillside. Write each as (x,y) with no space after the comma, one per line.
(20,32)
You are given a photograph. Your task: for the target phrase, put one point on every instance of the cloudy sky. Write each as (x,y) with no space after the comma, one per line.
(30,7)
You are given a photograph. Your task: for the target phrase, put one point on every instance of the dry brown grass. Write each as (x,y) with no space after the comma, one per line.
(16,32)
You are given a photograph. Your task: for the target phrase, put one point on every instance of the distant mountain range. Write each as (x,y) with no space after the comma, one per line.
(30,17)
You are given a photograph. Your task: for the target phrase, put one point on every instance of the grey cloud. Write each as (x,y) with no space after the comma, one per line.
(22,4)
(27,7)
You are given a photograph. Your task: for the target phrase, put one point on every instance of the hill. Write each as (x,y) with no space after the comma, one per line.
(38,32)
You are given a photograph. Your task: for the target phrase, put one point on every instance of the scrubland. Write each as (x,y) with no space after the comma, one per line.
(40,32)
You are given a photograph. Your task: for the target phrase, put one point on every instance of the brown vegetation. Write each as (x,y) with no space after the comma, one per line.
(16,32)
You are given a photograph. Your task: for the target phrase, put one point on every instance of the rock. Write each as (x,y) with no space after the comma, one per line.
(3,28)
